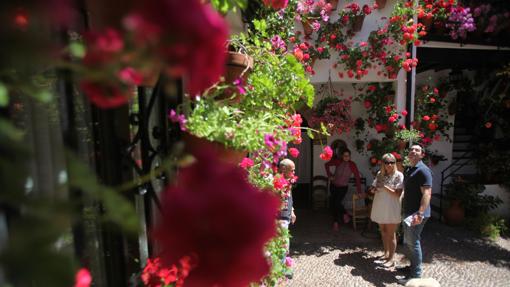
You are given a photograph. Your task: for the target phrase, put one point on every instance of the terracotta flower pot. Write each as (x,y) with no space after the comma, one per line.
(238,66)
(195,145)
(380,4)
(334,4)
(307,27)
(357,23)
(454,215)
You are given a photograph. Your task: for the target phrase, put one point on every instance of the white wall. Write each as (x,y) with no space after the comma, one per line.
(499,191)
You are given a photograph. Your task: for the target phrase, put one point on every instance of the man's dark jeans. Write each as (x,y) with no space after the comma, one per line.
(412,237)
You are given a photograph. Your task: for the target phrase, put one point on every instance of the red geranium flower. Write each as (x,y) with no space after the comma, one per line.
(215,215)
(327,153)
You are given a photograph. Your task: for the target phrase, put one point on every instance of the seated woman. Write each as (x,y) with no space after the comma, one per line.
(344,169)
(387,186)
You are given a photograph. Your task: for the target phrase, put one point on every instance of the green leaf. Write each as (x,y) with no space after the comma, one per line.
(43,96)
(310,134)
(77,49)
(4,96)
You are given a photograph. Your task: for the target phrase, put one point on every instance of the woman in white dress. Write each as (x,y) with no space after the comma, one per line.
(387,186)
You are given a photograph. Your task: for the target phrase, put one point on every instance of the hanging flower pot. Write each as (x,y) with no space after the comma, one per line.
(357,23)
(195,144)
(238,68)
(307,27)
(380,4)
(334,4)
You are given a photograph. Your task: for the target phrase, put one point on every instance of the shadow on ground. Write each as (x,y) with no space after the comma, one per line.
(312,235)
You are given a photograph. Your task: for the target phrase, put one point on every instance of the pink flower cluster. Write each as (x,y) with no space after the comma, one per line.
(183,38)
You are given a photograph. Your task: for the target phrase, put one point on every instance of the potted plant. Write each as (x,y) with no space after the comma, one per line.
(466,199)
(354,15)
(355,59)
(275,85)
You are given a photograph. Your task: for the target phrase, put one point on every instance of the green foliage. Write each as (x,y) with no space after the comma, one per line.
(488,225)
(471,197)
(223,6)
(276,87)
(4,96)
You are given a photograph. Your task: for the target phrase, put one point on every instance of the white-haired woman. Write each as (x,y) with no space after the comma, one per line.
(387,186)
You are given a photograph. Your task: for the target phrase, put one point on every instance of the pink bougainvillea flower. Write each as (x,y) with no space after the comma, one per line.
(294,152)
(404,113)
(276,4)
(189,37)
(426,118)
(289,262)
(101,46)
(246,163)
(326,154)
(104,95)
(83,278)
(240,86)
(130,76)
(488,125)
(215,215)
(176,118)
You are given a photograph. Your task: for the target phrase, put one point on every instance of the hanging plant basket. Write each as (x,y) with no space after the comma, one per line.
(357,23)
(380,4)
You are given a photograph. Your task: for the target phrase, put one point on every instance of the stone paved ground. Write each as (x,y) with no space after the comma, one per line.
(453,256)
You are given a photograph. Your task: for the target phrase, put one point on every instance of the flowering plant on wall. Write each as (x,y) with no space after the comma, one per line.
(437,10)
(308,54)
(431,117)
(312,13)
(378,100)
(353,15)
(331,34)
(355,59)
(460,23)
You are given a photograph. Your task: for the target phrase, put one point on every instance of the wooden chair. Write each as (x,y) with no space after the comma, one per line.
(320,192)
(360,210)
(359,213)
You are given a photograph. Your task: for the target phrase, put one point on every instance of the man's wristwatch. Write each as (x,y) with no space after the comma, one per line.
(421,214)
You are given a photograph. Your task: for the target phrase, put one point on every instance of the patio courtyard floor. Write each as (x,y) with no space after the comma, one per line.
(453,256)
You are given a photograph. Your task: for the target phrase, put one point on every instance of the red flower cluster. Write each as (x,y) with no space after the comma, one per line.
(326,154)
(220,220)
(276,4)
(156,275)
(431,112)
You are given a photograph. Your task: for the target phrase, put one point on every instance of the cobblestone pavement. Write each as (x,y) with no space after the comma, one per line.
(452,255)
